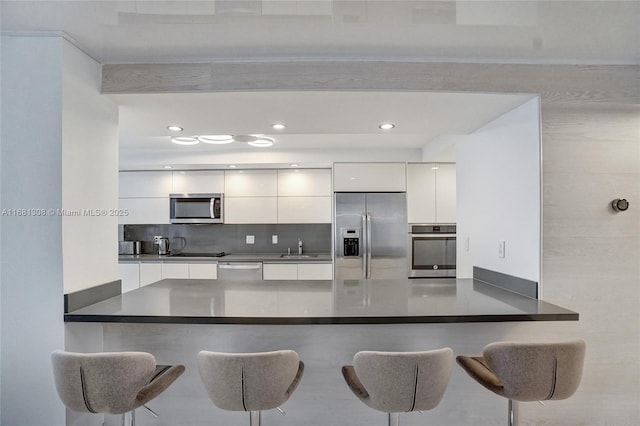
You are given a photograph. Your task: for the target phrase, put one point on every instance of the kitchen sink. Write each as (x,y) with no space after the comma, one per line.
(298,256)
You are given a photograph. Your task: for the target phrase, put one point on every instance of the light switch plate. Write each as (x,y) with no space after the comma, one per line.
(251,239)
(501,245)
(274,239)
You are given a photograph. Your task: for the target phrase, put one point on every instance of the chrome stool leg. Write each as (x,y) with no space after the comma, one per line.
(511,413)
(254,418)
(394,419)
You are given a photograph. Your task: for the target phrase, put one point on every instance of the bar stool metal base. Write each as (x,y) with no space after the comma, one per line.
(394,419)
(255,417)
(512,413)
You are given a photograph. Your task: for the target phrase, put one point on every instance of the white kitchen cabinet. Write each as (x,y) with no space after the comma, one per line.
(150,273)
(250,183)
(250,210)
(129,274)
(369,177)
(279,271)
(144,211)
(304,183)
(446,193)
(145,195)
(304,209)
(203,271)
(315,271)
(198,182)
(431,193)
(175,270)
(145,184)
(297,271)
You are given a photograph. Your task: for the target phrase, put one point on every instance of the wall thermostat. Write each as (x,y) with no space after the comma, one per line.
(620,204)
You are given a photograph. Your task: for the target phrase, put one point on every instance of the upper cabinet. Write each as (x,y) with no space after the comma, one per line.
(304,196)
(369,177)
(145,184)
(145,195)
(304,183)
(431,193)
(251,183)
(198,182)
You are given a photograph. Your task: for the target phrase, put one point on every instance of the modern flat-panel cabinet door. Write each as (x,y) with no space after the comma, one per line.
(198,182)
(304,183)
(251,210)
(150,273)
(130,275)
(250,183)
(175,270)
(431,193)
(421,193)
(446,193)
(369,177)
(279,271)
(304,209)
(145,195)
(207,271)
(315,271)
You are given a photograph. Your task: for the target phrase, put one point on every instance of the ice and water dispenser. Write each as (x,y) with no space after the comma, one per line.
(350,242)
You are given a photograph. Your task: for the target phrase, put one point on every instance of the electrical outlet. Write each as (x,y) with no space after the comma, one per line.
(501,249)
(251,239)
(274,239)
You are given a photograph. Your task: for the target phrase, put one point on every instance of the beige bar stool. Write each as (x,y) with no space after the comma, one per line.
(528,371)
(395,382)
(250,382)
(110,382)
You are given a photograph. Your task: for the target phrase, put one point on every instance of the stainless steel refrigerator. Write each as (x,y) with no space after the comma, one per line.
(370,235)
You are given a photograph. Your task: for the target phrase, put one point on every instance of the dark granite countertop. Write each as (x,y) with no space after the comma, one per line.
(320,302)
(233,257)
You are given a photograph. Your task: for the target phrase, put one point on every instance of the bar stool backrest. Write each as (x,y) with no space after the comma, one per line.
(404,381)
(106,382)
(249,381)
(536,371)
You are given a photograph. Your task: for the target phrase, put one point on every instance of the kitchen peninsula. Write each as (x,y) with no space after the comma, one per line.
(326,322)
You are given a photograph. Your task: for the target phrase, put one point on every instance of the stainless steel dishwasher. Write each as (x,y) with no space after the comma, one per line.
(240,271)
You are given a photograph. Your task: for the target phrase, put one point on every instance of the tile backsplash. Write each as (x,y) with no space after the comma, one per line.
(232,238)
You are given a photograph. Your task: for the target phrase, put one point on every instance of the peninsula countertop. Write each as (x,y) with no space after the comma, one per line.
(192,301)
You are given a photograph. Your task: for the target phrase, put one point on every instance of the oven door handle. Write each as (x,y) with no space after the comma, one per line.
(432,235)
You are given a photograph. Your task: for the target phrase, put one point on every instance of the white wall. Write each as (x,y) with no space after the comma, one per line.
(498,195)
(89,175)
(31,274)
(58,153)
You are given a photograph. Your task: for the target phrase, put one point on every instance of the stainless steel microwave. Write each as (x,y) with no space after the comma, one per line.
(196,208)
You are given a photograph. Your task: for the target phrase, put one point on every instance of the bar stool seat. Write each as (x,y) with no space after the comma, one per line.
(395,382)
(528,371)
(110,382)
(250,382)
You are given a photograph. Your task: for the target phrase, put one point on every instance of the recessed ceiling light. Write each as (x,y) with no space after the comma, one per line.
(278,126)
(434,168)
(185,140)
(261,142)
(168,167)
(232,166)
(175,128)
(216,139)
(294,165)
(386,126)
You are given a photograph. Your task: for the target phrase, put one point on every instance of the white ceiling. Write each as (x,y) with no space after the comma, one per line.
(521,31)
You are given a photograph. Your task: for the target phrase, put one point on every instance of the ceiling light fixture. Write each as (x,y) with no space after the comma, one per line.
(168,167)
(294,165)
(232,166)
(216,139)
(261,142)
(386,126)
(175,128)
(278,126)
(185,140)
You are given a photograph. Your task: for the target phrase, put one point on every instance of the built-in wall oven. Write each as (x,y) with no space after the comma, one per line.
(432,250)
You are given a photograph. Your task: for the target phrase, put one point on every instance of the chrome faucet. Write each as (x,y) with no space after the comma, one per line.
(299,245)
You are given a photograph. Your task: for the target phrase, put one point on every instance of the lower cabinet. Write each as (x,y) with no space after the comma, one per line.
(139,274)
(297,271)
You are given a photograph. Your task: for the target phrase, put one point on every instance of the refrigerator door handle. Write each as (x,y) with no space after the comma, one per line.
(369,245)
(365,246)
